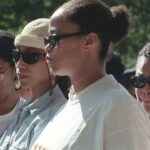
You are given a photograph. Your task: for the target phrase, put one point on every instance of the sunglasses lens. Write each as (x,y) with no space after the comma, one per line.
(53,41)
(50,40)
(30,58)
(137,82)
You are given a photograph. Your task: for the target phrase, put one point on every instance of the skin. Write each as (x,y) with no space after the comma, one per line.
(33,76)
(76,56)
(143,94)
(8,94)
(25,93)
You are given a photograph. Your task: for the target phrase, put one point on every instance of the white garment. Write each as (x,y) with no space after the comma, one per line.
(6,119)
(104,116)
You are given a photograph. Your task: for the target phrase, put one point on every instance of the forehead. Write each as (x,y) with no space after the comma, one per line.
(29,49)
(59,23)
(143,66)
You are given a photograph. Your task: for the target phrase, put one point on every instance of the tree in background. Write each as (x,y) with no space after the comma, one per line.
(15,14)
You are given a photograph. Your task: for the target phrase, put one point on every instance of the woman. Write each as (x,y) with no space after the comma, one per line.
(141,81)
(100,113)
(33,73)
(8,96)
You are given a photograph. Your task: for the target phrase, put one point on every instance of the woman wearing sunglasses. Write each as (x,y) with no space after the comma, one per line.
(33,73)
(9,99)
(100,114)
(141,81)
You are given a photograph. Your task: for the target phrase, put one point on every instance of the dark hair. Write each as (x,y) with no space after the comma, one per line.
(115,66)
(64,84)
(7,46)
(110,24)
(127,74)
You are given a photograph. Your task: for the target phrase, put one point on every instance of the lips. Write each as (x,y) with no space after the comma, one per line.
(22,76)
(48,59)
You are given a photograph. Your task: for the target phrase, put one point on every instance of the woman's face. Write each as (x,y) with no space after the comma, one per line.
(67,56)
(32,75)
(7,74)
(143,94)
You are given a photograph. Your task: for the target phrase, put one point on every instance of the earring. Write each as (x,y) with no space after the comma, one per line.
(17,83)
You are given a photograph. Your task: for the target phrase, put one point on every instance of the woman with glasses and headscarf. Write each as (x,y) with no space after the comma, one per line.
(100,114)
(141,80)
(9,99)
(33,73)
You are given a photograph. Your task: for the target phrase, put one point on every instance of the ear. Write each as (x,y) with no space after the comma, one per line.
(92,41)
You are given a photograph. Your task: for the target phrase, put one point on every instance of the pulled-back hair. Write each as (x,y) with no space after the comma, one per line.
(145,51)
(110,24)
(6,47)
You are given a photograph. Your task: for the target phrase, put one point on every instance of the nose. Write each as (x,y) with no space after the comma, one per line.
(49,51)
(48,48)
(20,64)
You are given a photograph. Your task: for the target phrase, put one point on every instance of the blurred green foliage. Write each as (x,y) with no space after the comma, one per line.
(15,14)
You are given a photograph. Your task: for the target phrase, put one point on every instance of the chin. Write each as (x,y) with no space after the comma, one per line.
(24,85)
(146,107)
(57,71)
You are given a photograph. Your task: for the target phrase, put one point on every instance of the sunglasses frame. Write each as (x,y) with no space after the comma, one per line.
(134,80)
(28,57)
(53,39)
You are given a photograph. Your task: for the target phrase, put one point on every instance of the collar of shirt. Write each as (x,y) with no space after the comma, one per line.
(40,103)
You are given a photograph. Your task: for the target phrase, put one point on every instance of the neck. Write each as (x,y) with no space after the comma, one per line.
(40,89)
(8,103)
(86,77)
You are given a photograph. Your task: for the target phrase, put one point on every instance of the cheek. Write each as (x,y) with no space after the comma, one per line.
(69,55)
(41,72)
(6,86)
(36,74)
(65,57)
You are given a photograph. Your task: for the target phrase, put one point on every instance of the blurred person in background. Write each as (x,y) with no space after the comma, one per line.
(115,66)
(127,74)
(9,99)
(141,80)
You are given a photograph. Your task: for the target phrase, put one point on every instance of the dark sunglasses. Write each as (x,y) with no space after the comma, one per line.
(28,57)
(53,39)
(139,81)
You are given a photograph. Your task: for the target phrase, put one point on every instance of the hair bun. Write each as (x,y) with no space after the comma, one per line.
(120,23)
